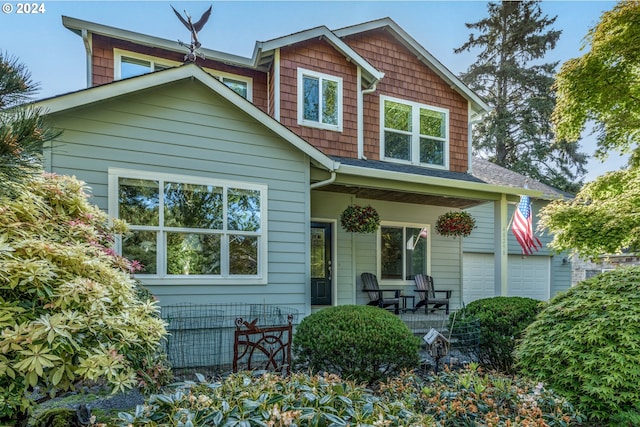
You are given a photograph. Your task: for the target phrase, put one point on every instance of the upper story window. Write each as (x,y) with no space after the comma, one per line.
(404,251)
(192,227)
(131,64)
(319,100)
(414,133)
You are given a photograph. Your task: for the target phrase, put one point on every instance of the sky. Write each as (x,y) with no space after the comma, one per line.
(56,57)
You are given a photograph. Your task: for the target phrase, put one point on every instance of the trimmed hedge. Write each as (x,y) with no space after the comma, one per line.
(359,343)
(502,321)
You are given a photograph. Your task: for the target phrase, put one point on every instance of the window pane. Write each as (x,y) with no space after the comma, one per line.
(141,246)
(397,146)
(416,253)
(243,211)
(317,253)
(159,67)
(397,116)
(237,86)
(243,255)
(130,67)
(138,201)
(431,151)
(432,123)
(193,253)
(330,98)
(193,206)
(391,251)
(311,101)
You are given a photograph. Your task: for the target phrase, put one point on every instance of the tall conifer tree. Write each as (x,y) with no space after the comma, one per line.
(510,75)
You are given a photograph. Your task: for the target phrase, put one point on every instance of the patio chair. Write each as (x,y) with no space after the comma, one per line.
(377,295)
(427,294)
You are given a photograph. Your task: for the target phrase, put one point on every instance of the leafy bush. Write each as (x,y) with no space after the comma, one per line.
(586,346)
(271,400)
(68,305)
(472,398)
(360,343)
(502,320)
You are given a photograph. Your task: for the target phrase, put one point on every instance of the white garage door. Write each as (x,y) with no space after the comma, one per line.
(527,277)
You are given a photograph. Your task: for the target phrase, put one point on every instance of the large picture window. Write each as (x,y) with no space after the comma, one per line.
(404,251)
(319,100)
(414,133)
(184,226)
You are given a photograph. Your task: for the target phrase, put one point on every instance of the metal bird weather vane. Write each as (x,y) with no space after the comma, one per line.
(194,28)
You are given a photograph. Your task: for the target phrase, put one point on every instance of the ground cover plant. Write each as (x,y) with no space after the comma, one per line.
(360,343)
(586,346)
(69,308)
(502,322)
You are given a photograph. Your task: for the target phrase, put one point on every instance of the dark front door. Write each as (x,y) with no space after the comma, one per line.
(320,263)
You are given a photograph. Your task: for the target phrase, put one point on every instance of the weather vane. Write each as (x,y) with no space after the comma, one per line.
(194,28)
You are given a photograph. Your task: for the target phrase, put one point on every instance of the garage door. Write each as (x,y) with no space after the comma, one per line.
(527,277)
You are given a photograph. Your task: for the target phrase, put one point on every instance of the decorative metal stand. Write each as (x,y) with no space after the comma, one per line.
(262,348)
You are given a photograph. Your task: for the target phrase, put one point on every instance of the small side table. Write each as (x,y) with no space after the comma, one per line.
(404,302)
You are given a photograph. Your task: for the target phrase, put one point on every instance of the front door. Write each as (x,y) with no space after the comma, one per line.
(320,263)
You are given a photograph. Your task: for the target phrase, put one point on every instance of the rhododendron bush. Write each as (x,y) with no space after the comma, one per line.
(69,310)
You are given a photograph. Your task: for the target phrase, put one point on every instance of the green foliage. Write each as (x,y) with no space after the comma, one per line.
(22,129)
(586,345)
(455,223)
(502,321)
(602,85)
(271,400)
(360,219)
(68,305)
(360,343)
(471,397)
(602,218)
(510,76)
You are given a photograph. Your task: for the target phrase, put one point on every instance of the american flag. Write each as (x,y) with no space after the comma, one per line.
(523,227)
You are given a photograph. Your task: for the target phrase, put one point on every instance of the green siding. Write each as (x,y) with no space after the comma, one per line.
(185,128)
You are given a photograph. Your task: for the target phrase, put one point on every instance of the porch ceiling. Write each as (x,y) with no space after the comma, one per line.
(403,197)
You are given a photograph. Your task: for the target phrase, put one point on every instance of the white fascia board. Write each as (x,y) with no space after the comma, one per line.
(171,75)
(77,25)
(422,54)
(435,181)
(320,32)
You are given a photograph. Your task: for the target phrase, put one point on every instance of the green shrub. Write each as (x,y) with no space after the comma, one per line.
(360,343)
(586,345)
(502,320)
(271,400)
(69,309)
(470,397)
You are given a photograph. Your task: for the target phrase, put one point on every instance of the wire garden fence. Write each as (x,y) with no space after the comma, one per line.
(201,336)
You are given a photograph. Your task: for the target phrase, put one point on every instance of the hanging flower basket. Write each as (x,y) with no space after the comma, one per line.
(455,224)
(360,219)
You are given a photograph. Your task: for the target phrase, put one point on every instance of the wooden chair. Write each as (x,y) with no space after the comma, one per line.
(427,294)
(376,295)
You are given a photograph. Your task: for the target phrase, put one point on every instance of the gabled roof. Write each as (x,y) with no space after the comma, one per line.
(497,175)
(478,105)
(264,50)
(132,85)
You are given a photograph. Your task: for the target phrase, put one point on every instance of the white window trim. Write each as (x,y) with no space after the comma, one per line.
(221,75)
(308,123)
(415,134)
(404,225)
(119,53)
(162,278)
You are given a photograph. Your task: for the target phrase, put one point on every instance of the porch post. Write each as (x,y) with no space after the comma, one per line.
(501,246)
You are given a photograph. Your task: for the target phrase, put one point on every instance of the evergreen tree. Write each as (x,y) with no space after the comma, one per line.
(22,128)
(510,76)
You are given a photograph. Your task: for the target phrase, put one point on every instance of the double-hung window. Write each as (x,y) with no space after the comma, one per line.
(404,251)
(319,100)
(414,133)
(131,64)
(192,227)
